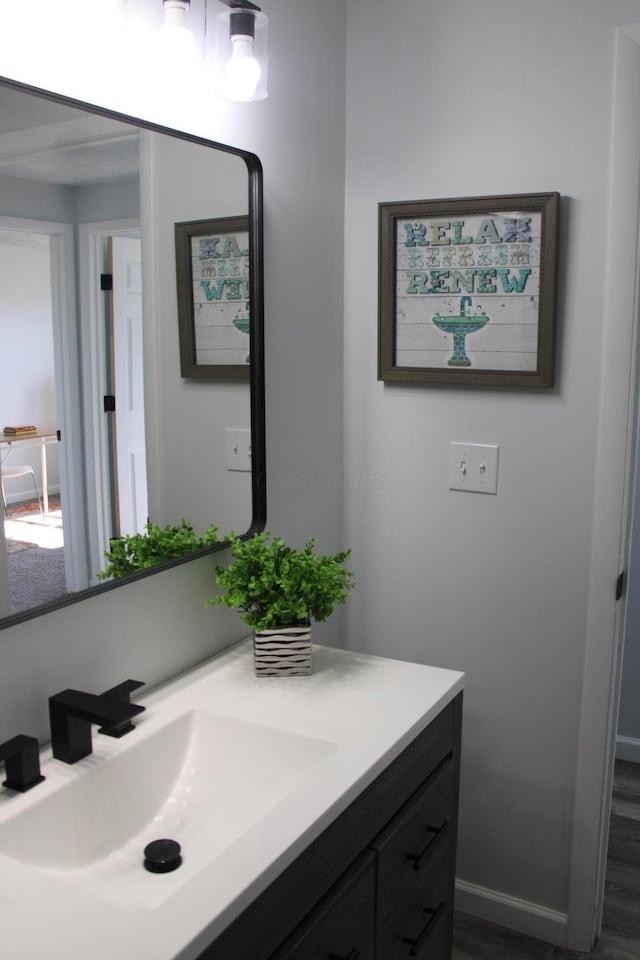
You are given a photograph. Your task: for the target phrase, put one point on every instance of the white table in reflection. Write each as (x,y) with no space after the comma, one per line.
(43,437)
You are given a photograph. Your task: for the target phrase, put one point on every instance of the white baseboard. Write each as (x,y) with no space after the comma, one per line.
(523,916)
(627,749)
(18,496)
(27,493)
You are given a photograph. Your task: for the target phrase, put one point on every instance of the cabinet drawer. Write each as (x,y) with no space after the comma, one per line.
(416,835)
(414,918)
(415,872)
(342,926)
(423,934)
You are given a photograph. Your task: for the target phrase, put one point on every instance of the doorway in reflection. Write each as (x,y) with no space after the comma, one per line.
(43,563)
(33,526)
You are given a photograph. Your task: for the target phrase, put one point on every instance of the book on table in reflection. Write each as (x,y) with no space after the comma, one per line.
(18,431)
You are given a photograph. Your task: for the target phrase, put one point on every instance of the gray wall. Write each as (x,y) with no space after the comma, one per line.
(112,200)
(186,419)
(481,99)
(35,201)
(31,200)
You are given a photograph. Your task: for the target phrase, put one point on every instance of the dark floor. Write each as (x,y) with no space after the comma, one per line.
(620,939)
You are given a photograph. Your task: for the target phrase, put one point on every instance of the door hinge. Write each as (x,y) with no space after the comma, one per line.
(106,281)
(620,585)
(109,403)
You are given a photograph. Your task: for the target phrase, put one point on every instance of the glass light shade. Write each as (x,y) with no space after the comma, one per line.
(240,61)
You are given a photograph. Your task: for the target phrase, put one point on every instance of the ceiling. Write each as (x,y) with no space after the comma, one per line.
(51,143)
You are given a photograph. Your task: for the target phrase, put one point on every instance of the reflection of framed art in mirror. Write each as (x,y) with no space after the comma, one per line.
(212,272)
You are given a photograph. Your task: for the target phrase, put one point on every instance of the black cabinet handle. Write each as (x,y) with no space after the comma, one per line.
(416,944)
(434,833)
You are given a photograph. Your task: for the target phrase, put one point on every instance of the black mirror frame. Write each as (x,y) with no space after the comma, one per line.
(256,371)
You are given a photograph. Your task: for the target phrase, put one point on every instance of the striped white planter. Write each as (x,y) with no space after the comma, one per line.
(283,652)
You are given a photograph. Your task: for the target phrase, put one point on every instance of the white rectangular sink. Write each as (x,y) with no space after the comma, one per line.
(243,772)
(202,780)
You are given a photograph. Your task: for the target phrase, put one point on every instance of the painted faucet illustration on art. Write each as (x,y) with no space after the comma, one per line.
(460,326)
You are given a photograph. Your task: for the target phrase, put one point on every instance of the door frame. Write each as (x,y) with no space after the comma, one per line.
(94,360)
(125,331)
(67,374)
(612,508)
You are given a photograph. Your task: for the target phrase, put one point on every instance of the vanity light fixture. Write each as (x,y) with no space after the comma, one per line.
(177,38)
(240,56)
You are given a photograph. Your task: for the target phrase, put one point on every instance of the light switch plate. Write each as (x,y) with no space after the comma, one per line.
(473,467)
(238,449)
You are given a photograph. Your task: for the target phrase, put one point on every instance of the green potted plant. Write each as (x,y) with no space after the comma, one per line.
(280,591)
(157,545)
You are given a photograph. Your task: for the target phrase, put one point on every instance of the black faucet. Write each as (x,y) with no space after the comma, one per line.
(72,712)
(121,692)
(21,757)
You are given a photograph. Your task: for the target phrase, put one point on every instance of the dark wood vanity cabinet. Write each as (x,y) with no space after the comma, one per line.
(378,884)
(340,926)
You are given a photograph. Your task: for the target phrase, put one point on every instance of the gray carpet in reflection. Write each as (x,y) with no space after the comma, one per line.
(36,576)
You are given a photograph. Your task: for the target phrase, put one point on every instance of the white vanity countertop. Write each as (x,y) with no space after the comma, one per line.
(364,709)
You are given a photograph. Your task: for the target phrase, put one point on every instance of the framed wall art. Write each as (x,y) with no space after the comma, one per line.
(467,290)
(212,272)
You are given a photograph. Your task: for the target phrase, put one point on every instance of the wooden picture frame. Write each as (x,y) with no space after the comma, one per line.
(467,290)
(213,287)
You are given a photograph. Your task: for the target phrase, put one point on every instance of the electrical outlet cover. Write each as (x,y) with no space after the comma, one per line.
(238,442)
(473,467)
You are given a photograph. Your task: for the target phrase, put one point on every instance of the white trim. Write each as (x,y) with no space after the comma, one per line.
(628,748)
(25,492)
(149,191)
(68,393)
(525,917)
(91,237)
(603,648)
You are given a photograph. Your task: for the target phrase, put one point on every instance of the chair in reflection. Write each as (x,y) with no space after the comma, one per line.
(12,473)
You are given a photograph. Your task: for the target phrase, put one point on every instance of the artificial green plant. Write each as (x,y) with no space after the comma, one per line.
(139,551)
(276,585)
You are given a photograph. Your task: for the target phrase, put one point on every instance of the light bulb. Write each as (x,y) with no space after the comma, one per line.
(242,71)
(178,41)
(240,61)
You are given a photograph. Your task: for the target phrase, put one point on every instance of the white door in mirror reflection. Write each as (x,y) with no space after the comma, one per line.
(130,471)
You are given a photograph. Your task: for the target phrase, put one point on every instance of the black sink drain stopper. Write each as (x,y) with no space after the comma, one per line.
(162,856)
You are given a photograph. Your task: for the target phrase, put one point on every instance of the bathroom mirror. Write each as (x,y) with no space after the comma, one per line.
(89,203)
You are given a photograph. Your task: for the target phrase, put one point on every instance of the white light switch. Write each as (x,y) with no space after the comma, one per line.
(474,467)
(238,449)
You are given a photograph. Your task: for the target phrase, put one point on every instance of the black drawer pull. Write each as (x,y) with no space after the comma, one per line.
(352,955)
(416,944)
(434,833)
